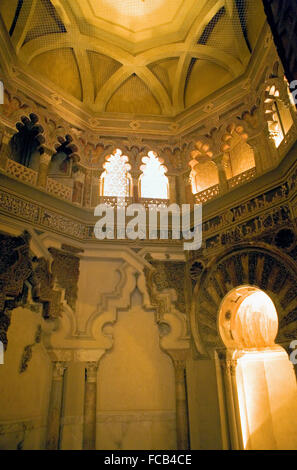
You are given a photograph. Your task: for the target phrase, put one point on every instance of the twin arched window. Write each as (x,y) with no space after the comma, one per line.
(116,180)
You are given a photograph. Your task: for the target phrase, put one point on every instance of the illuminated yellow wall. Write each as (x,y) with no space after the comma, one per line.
(267,400)
(24,396)
(262,384)
(204,416)
(136,388)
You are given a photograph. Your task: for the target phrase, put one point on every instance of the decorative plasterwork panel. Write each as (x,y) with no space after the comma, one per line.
(18,267)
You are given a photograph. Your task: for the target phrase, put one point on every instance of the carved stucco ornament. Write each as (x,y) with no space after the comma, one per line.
(258,265)
(166,275)
(17,267)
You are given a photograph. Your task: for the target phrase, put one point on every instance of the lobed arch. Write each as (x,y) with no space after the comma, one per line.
(238,154)
(258,266)
(204,172)
(26,144)
(64,156)
(247,319)
(207,151)
(274,107)
(116,173)
(153,182)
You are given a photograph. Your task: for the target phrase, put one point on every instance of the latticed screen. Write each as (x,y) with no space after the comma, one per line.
(115,181)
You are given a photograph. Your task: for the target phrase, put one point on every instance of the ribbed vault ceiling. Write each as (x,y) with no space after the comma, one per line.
(140,57)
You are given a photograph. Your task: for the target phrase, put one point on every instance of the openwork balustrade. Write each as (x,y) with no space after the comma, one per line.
(58,189)
(207,194)
(242,178)
(148,203)
(21,172)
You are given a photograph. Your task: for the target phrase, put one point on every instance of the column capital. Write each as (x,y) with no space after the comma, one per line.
(231,365)
(59,369)
(179,358)
(45,157)
(218,158)
(91,371)
(7,135)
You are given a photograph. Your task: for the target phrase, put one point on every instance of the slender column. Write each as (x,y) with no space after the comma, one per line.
(222,174)
(185,189)
(233,404)
(136,187)
(230,408)
(4,151)
(265,152)
(253,142)
(181,191)
(44,162)
(55,406)
(87,189)
(89,431)
(78,184)
(182,424)
(172,189)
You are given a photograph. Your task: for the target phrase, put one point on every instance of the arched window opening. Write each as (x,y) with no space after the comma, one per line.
(26,144)
(279,117)
(153,182)
(262,389)
(64,157)
(204,175)
(240,157)
(248,319)
(116,180)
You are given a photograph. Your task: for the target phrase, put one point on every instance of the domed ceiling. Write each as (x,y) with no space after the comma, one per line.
(139,57)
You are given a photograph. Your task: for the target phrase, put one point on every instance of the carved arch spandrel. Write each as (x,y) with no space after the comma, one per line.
(172,323)
(260,266)
(20,270)
(167,296)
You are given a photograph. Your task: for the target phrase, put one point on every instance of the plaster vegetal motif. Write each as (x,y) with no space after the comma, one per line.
(17,267)
(65,268)
(13,106)
(28,351)
(166,275)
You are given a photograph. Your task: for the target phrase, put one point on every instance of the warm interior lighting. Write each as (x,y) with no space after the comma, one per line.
(115,180)
(280,120)
(264,392)
(248,319)
(133,8)
(153,182)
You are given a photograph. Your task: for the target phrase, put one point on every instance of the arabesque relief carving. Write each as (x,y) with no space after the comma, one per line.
(17,267)
(166,275)
(65,268)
